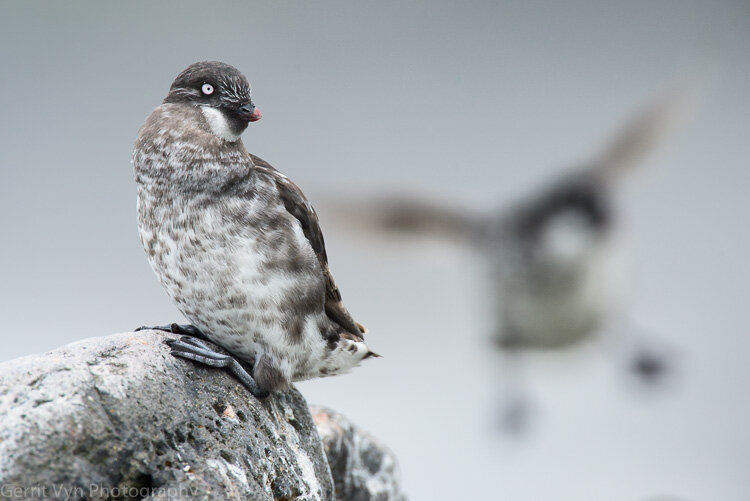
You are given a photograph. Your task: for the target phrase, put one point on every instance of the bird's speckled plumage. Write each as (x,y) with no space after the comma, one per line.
(234,242)
(552,260)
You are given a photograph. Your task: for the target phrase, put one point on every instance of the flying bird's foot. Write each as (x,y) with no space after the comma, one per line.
(193,349)
(650,367)
(186,330)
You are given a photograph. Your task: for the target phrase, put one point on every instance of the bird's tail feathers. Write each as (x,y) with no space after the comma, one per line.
(362,328)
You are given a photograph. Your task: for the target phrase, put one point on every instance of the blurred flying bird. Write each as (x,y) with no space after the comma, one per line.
(235,243)
(552,255)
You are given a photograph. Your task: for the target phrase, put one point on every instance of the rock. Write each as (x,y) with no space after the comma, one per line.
(119,418)
(363,469)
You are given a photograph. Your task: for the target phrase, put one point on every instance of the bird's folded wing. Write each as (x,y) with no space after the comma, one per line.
(297,205)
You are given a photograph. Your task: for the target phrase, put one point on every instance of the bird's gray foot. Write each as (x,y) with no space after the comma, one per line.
(187,330)
(650,367)
(193,349)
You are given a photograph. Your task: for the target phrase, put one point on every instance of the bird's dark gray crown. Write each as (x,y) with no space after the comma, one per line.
(231,88)
(582,194)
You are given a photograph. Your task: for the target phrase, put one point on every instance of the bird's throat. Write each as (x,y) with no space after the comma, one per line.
(221,126)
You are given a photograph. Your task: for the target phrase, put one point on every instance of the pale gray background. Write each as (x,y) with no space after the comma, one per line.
(474,102)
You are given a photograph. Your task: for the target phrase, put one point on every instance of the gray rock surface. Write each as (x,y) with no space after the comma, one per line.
(119,418)
(363,468)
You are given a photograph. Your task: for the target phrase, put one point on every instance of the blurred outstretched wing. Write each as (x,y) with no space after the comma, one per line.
(639,136)
(407,215)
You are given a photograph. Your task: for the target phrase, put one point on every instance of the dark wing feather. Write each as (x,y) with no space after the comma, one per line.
(297,205)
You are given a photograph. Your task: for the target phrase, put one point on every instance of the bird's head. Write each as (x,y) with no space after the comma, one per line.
(221,92)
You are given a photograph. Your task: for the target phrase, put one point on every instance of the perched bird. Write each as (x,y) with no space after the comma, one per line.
(235,243)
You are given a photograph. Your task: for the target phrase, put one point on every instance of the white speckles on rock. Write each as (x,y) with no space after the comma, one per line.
(363,468)
(121,412)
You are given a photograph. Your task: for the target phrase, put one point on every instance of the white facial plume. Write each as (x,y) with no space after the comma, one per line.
(219,124)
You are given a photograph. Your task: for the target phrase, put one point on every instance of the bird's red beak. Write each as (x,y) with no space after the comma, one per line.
(249,112)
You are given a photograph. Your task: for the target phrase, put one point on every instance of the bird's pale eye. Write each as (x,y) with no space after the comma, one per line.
(207,89)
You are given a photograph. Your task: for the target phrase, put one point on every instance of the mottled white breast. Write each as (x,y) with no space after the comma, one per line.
(559,292)
(226,280)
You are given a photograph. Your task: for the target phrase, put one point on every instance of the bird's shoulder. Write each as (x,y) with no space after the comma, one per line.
(298,206)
